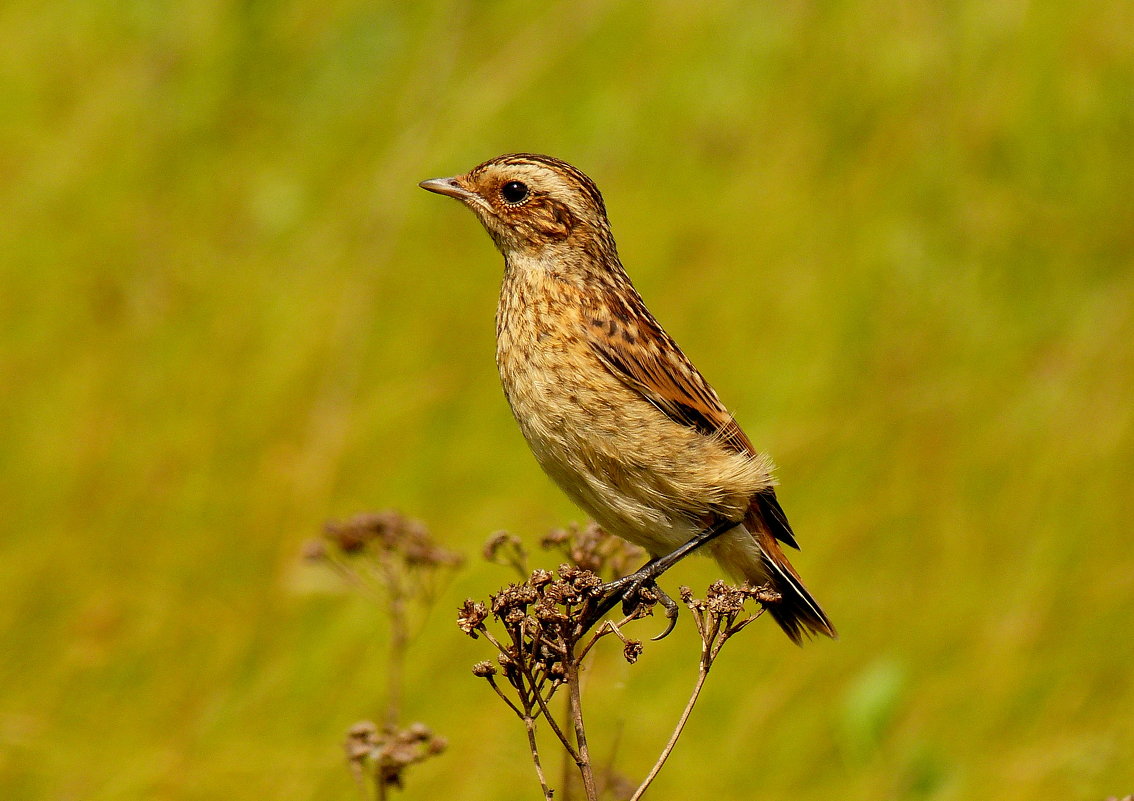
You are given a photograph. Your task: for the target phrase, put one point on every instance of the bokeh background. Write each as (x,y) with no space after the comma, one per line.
(897,237)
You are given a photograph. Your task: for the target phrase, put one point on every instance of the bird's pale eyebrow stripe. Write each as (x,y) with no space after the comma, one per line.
(584,183)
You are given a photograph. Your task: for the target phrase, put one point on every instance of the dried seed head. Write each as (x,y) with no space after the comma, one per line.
(557,592)
(391,751)
(484,669)
(391,533)
(471,616)
(503,548)
(593,549)
(587,583)
(724,600)
(365,730)
(554,538)
(766,595)
(511,598)
(350,536)
(631,650)
(498,540)
(362,740)
(548,612)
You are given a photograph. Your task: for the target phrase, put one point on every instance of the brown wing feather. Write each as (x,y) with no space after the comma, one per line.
(647,360)
(657,369)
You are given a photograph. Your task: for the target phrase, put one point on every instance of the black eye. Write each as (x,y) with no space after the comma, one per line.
(514,192)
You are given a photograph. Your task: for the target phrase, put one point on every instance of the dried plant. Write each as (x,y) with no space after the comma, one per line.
(546,627)
(507,549)
(593,549)
(395,561)
(384,754)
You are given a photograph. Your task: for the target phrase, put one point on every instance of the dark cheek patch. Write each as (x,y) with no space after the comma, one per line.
(553,219)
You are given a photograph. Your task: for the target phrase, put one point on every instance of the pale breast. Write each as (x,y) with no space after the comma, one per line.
(639,474)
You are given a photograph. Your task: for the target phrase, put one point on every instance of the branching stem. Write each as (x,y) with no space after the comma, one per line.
(702,674)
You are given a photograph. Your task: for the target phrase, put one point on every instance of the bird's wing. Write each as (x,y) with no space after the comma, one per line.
(647,360)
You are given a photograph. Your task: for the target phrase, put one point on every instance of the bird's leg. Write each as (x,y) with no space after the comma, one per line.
(626,589)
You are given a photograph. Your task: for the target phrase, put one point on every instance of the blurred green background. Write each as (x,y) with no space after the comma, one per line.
(897,237)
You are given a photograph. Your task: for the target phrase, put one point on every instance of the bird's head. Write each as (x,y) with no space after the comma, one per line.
(529,203)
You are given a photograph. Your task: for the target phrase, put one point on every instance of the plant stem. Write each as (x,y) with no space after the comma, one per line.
(584,757)
(399,642)
(529,724)
(569,780)
(506,699)
(542,702)
(702,674)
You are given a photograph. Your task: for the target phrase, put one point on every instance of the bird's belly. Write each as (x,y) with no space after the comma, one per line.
(652,523)
(601,445)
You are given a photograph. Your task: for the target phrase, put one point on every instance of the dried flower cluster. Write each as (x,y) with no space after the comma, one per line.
(593,549)
(722,612)
(543,633)
(507,549)
(588,547)
(395,560)
(541,629)
(719,615)
(543,619)
(384,754)
(385,534)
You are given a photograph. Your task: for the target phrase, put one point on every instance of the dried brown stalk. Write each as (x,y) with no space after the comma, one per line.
(395,561)
(720,616)
(545,621)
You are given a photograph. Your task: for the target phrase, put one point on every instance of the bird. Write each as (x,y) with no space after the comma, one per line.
(614,412)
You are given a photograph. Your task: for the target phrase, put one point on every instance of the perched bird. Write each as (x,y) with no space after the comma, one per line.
(612,409)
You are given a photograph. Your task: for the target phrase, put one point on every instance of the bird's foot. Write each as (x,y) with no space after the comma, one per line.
(635,590)
(628,589)
(671,611)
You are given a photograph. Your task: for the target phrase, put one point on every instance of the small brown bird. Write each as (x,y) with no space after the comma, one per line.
(613,410)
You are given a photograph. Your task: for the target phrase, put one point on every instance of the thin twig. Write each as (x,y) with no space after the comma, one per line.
(702,674)
(584,756)
(399,642)
(555,727)
(569,767)
(529,724)
(507,700)
(607,627)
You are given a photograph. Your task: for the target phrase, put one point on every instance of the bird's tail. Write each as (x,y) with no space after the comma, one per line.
(797,612)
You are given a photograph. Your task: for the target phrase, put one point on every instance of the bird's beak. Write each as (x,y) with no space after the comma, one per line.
(448,186)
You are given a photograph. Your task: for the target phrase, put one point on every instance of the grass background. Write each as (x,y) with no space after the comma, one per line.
(897,237)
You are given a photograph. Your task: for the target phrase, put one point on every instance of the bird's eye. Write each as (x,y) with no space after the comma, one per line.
(514,192)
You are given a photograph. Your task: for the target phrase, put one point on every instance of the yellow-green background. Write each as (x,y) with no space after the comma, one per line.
(897,237)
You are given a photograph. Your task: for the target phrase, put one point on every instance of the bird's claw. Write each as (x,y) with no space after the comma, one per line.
(671,617)
(671,611)
(630,590)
